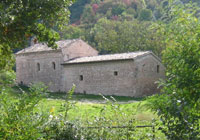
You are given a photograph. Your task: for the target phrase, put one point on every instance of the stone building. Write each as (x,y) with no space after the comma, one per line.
(75,62)
(40,63)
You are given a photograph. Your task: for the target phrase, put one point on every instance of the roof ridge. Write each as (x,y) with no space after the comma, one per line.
(118,54)
(42,46)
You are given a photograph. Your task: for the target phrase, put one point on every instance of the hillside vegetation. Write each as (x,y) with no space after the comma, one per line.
(115,26)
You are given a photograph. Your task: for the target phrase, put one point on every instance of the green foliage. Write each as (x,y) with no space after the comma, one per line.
(130,12)
(65,119)
(117,36)
(111,115)
(7,78)
(118,9)
(21,19)
(179,107)
(114,36)
(158,12)
(145,14)
(59,127)
(21,117)
(165,3)
(18,120)
(88,15)
(77,9)
(105,7)
(72,32)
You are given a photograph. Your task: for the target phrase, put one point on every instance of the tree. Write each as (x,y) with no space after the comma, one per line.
(72,32)
(179,106)
(88,16)
(118,9)
(77,9)
(145,15)
(21,19)
(125,36)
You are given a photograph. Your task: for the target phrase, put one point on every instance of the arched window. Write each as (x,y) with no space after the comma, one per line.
(38,66)
(54,65)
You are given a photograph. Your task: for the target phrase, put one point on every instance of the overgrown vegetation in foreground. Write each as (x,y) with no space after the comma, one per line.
(33,115)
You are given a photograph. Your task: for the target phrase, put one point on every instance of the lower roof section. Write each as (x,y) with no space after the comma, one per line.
(110,57)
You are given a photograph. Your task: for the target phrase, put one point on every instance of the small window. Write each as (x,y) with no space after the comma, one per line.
(115,73)
(35,41)
(136,72)
(81,77)
(21,83)
(38,66)
(158,68)
(54,65)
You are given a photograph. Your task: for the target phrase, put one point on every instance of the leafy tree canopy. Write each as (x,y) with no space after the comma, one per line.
(145,14)
(125,36)
(71,32)
(21,19)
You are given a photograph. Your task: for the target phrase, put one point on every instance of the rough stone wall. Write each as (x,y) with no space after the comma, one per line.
(122,78)
(50,68)
(78,49)
(149,70)
(108,78)
(28,71)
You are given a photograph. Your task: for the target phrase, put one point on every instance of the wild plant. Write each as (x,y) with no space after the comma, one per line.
(18,118)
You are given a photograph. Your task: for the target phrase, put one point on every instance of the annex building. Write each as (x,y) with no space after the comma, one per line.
(76,62)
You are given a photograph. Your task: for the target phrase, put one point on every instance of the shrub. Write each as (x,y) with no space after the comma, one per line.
(179,106)
(21,118)
(18,120)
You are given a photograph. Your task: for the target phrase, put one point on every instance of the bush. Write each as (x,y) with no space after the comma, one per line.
(21,118)
(18,120)
(179,106)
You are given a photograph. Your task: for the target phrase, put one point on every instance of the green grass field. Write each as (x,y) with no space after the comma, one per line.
(89,106)
(98,110)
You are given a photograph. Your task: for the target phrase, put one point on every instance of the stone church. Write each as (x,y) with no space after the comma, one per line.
(75,62)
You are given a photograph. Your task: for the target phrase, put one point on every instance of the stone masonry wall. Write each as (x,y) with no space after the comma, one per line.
(45,66)
(123,78)
(149,70)
(78,49)
(40,67)
(108,78)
